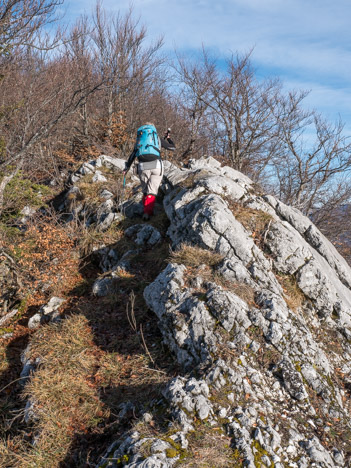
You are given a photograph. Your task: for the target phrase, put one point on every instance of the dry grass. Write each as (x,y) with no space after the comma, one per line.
(244,291)
(90,191)
(90,238)
(115,369)
(10,450)
(209,275)
(253,220)
(194,177)
(114,184)
(192,256)
(65,400)
(293,295)
(201,263)
(209,447)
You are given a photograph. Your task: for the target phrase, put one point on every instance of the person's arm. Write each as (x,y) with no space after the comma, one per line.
(130,160)
(167,143)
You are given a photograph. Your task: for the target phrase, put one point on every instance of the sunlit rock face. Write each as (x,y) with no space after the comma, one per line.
(261,337)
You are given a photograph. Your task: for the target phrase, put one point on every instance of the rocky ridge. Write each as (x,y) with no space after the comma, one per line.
(283,377)
(262,338)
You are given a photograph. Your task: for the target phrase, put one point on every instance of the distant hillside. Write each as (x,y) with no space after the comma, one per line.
(337,226)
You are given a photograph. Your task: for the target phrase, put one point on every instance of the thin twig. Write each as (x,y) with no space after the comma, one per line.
(13,381)
(2,252)
(155,370)
(131,316)
(133,323)
(144,344)
(267,230)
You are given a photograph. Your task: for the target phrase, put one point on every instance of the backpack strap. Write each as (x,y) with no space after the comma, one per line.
(154,147)
(155,138)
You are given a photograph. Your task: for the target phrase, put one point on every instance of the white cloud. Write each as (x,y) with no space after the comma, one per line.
(296,35)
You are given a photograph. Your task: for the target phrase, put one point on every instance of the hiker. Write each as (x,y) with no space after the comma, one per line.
(149,167)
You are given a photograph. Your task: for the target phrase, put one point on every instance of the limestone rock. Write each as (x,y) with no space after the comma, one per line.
(144,234)
(261,340)
(98,177)
(300,360)
(106,194)
(106,220)
(47,313)
(318,453)
(110,162)
(27,212)
(292,379)
(102,287)
(29,364)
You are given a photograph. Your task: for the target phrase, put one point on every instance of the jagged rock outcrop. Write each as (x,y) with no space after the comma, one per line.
(107,207)
(264,339)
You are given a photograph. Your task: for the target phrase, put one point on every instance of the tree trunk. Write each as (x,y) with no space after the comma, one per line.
(3,184)
(109,113)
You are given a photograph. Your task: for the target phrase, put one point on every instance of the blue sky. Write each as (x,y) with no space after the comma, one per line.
(307,43)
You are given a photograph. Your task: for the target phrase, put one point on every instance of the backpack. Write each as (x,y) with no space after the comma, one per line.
(147,141)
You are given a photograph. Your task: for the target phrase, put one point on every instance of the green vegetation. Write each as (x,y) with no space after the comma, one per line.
(259,452)
(2,146)
(21,192)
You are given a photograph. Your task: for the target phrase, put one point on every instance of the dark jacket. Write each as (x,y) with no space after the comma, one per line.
(165,143)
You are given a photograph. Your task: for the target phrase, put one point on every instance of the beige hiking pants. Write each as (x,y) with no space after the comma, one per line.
(150,180)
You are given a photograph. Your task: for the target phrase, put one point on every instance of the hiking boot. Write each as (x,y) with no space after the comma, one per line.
(146,217)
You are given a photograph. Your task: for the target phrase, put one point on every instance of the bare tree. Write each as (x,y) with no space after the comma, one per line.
(311,158)
(126,65)
(21,19)
(48,92)
(241,109)
(49,88)
(193,80)
(79,49)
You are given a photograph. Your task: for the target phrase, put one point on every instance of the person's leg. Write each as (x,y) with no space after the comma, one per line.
(151,180)
(144,177)
(155,180)
(149,203)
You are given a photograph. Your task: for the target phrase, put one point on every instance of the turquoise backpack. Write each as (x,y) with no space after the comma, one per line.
(147,141)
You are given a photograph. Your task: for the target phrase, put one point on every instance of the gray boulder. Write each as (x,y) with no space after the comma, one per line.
(143,234)
(47,313)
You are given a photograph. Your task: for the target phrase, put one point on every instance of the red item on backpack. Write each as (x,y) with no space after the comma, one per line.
(149,203)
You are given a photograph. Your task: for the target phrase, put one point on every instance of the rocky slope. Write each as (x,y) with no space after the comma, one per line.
(261,335)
